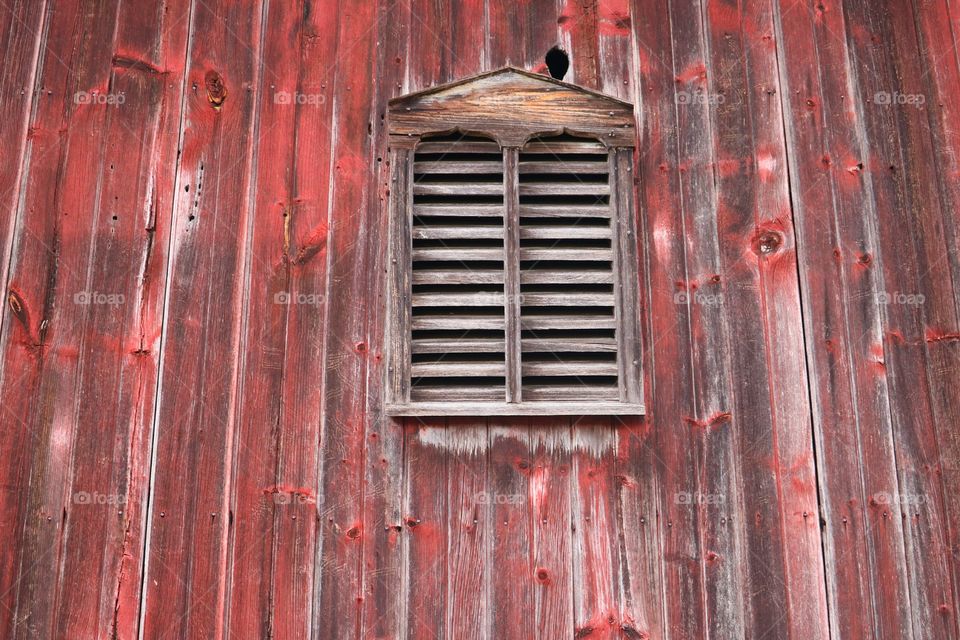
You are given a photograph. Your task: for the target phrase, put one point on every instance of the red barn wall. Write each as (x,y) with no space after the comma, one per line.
(192,245)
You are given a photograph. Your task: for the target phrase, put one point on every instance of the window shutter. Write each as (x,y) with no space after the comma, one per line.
(513,262)
(567,274)
(458,320)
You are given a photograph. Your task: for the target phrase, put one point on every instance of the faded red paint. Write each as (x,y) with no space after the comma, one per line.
(262,492)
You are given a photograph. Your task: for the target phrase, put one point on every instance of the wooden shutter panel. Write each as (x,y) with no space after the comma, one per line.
(568,317)
(457,324)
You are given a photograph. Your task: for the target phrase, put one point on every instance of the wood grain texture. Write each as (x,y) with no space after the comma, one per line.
(836,226)
(86,282)
(23,23)
(909,223)
(494,103)
(190,518)
(798,159)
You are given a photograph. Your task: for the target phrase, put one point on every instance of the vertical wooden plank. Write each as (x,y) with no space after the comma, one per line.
(24,37)
(512,585)
(470,510)
(426,544)
(866,573)
(398,346)
(578,21)
(614,49)
(631,473)
(274,494)
(596,553)
(897,165)
(671,378)
(469,53)
(22,25)
(935,61)
(782,547)
(383,570)
(190,514)
(511,273)
(722,558)
(548,500)
(628,340)
(57,325)
(120,356)
(638,487)
(505,33)
(353,223)
(428,46)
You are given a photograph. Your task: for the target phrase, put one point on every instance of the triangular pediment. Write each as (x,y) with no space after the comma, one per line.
(511,106)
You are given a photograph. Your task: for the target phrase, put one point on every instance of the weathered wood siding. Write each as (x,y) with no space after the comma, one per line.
(193,248)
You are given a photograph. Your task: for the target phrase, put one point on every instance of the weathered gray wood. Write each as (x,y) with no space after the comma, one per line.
(564,211)
(450,406)
(593,255)
(461,346)
(459,146)
(564,166)
(512,106)
(564,189)
(478,106)
(454,368)
(492,395)
(568,299)
(511,234)
(457,233)
(464,321)
(582,232)
(552,345)
(557,368)
(628,283)
(573,276)
(457,254)
(571,393)
(457,188)
(457,299)
(473,276)
(559,147)
(459,210)
(446,166)
(568,322)
(398,290)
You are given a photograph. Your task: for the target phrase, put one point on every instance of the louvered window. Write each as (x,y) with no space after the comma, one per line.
(513,274)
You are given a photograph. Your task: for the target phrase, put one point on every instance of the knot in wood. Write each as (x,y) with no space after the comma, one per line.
(216,91)
(767,242)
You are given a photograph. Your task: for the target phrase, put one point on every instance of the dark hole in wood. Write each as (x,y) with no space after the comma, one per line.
(558,62)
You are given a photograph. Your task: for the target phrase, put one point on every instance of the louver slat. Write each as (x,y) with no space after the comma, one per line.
(568,322)
(457,255)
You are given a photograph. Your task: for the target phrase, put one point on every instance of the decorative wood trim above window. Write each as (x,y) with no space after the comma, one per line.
(513,281)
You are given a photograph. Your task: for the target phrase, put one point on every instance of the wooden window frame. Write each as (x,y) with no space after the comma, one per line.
(613,128)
